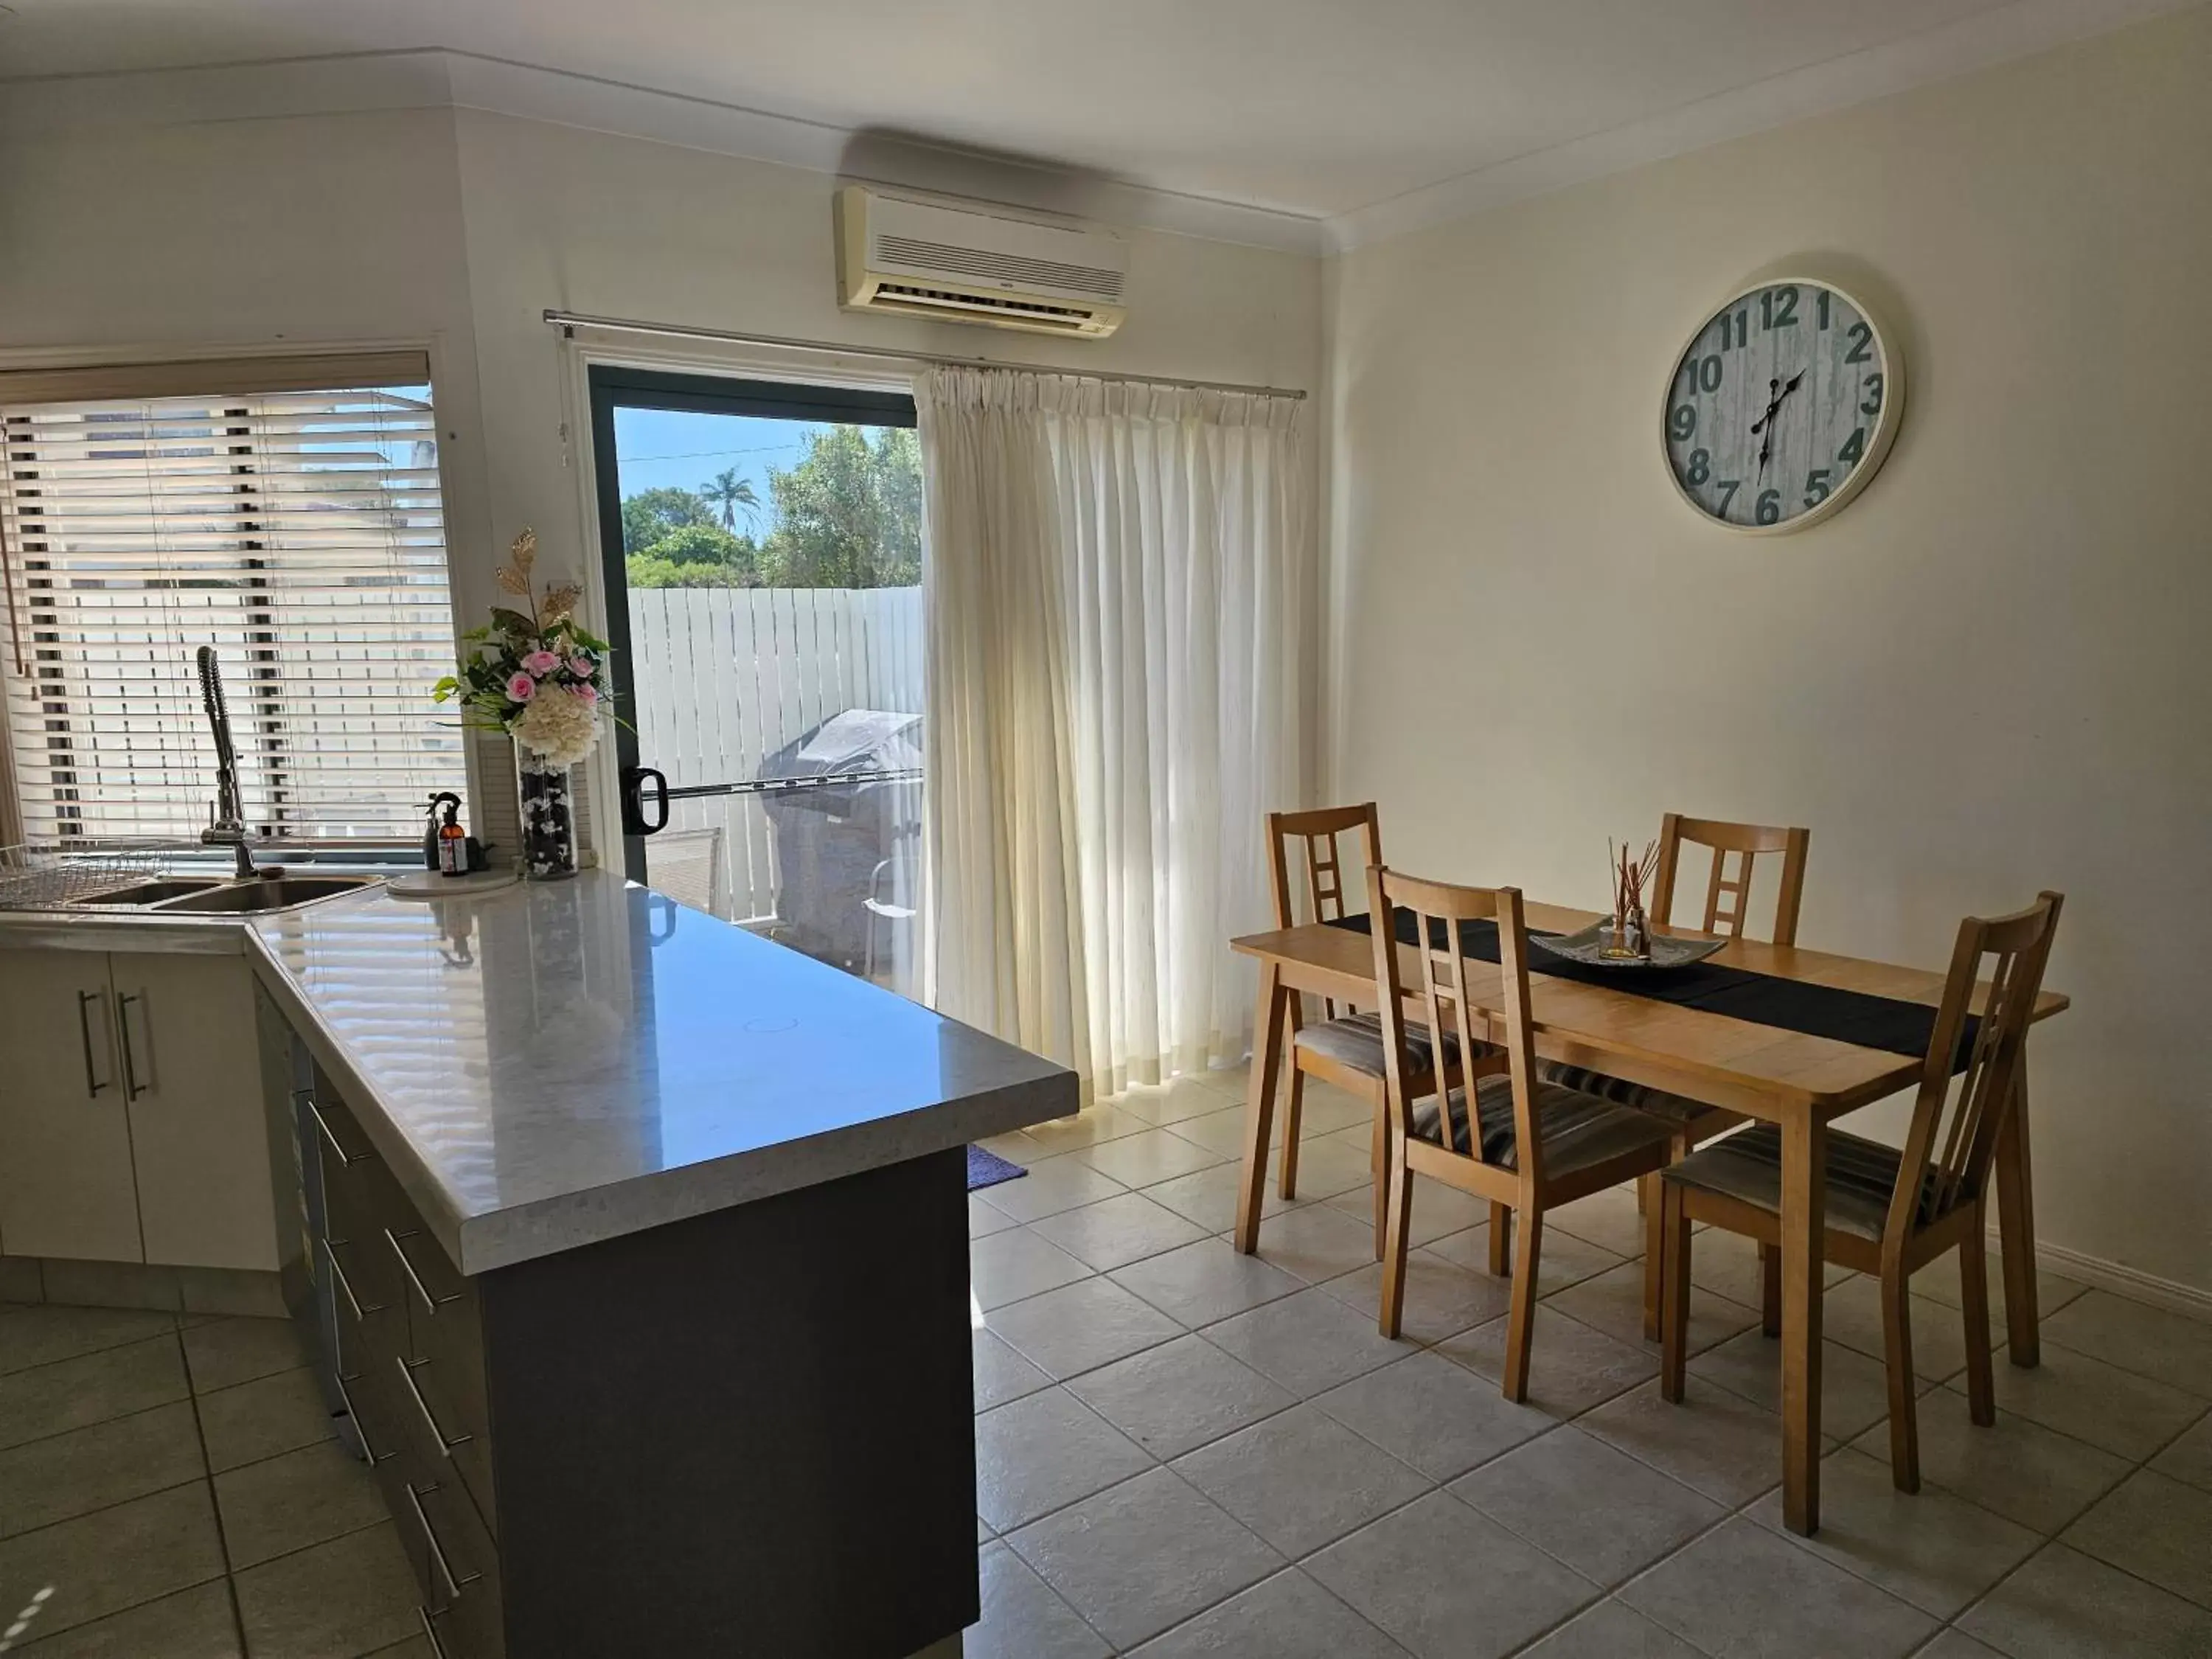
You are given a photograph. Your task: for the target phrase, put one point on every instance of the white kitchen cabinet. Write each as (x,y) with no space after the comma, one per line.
(66,1185)
(191,1076)
(132,1122)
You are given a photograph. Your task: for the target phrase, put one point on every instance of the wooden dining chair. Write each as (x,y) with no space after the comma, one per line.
(1345,1048)
(1889,1212)
(1525,1144)
(1728,902)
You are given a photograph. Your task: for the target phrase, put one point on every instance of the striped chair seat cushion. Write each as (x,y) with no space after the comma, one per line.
(1356,1041)
(1747,1166)
(1679,1110)
(1578,1129)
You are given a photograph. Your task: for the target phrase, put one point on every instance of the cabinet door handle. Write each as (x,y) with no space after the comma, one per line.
(345,1285)
(453,1586)
(93,1085)
(429,1634)
(131,1086)
(359,1429)
(430,1301)
(346,1159)
(445,1442)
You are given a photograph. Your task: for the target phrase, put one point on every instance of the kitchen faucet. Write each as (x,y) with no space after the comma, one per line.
(229,829)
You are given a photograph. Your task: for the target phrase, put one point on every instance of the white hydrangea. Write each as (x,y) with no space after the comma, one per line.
(557,725)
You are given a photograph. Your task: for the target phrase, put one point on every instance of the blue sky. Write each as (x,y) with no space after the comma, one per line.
(659,448)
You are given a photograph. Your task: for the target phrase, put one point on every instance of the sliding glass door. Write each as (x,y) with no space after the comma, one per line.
(764,573)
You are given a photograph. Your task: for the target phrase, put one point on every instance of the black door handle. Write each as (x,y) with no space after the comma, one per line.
(633,800)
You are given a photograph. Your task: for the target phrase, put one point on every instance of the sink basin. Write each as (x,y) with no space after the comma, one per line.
(267,893)
(153,892)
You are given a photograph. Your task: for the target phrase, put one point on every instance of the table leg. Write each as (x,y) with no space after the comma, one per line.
(1804,1195)
(1269,1014)
(2016,1226)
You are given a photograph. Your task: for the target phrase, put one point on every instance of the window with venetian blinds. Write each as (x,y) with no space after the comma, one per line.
(287,514)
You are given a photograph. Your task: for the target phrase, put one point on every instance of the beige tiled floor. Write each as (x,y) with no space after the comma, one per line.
(1183,1451)
(170,1488)
(1254,1471)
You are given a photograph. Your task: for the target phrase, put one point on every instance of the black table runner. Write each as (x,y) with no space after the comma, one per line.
(1789,1005)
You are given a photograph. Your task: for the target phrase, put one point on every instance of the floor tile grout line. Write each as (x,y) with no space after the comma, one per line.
(88,1353)
(1216,1604)
(101,1423)
(109,1509)
(214,1506)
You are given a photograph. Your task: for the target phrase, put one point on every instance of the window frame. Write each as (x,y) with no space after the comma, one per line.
(611,386)
(35,376)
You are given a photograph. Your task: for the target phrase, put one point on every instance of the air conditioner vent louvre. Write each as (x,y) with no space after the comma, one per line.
(998,267)
(907,296)
(970,263)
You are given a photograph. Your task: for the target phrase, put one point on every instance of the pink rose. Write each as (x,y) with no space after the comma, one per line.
(520,688)
(541,663)
(590,693)
(582,666)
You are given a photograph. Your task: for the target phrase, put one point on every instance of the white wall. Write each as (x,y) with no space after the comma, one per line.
(1986,676)
(618,226)
(124,228)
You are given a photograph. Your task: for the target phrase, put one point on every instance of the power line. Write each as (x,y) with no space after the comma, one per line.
(709,454)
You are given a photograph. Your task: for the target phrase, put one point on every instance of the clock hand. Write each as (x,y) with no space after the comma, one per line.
(1766,422)
(1777,393)
(1773,403)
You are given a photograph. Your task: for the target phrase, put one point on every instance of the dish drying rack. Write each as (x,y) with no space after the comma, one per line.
(49,876)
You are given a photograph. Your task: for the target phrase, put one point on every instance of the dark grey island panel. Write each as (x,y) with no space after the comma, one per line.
(641,1267)
(747,1432)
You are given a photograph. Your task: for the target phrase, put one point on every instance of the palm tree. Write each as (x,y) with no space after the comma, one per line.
(729,491)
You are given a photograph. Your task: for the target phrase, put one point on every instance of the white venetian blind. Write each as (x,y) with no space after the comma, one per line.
(287,514)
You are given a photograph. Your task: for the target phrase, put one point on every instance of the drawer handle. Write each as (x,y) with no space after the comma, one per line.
(429,1634)
(432,1303)
(446,1442)
(359,1429)
(93,1085)
(132,1088)
(346,1159)
(453,1586)
(338,1273)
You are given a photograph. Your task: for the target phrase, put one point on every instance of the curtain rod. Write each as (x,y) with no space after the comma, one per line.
(569,321)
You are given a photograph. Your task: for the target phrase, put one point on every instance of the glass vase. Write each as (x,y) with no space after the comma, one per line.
(548,820)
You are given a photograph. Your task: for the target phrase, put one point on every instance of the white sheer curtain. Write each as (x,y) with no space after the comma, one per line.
(1114,594)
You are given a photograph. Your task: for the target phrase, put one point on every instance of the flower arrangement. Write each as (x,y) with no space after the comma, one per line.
(536,675)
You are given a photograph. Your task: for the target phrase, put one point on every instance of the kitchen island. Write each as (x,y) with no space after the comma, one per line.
(640,1254)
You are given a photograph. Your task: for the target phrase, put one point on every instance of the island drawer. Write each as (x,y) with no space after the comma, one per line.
(441,1379)
(462,1610)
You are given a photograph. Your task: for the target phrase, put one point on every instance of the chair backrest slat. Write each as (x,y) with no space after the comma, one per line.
(1316,832)
(1438,910)
(1728,893)
(1961,1108)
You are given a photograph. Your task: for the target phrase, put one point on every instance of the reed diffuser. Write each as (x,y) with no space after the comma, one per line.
(1631,937)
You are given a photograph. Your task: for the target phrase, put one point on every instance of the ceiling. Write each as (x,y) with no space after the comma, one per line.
(1318,108)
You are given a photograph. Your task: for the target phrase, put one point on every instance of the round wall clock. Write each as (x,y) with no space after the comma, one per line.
(1782,407)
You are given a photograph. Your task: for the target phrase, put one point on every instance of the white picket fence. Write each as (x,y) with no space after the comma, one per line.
(724,677)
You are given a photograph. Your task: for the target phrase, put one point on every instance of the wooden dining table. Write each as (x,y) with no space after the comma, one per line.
(1800,1082)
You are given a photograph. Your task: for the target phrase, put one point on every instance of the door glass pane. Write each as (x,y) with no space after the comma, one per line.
(775,571)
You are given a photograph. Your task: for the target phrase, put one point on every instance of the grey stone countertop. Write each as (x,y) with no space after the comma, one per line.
(549,1065)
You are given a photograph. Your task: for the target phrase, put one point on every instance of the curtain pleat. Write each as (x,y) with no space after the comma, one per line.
(1112,594)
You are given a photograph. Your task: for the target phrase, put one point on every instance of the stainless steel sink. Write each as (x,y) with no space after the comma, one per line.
(153,892)
(267,893)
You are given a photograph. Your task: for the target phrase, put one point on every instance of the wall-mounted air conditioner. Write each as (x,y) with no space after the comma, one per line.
(976,263)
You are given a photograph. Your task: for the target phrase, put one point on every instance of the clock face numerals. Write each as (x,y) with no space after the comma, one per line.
(1781,397)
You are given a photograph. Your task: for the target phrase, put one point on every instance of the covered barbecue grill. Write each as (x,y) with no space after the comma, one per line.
(845,809)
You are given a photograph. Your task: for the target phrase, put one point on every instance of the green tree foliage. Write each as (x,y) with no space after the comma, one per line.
(696,555)
(730,490)
(849,513)
(650,515)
